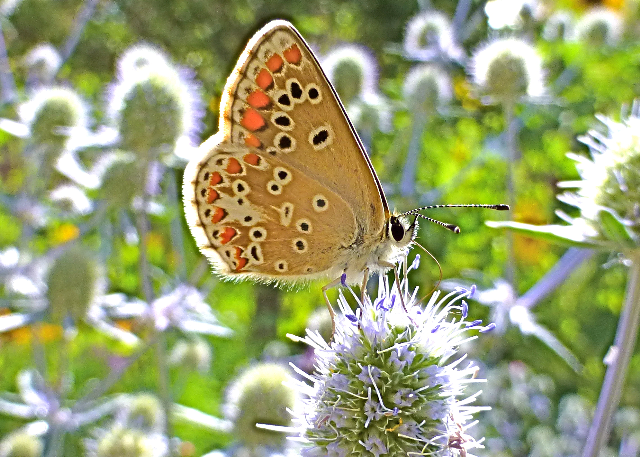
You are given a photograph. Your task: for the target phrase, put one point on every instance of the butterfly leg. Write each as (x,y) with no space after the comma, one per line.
(397,278)
(365,280)
(332,313)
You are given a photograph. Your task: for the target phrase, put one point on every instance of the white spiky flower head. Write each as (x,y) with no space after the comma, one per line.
(558,27)
(352,69)
(611,179)
(599,27)
(138,57)
(42,63)
(429,34)
(392,381)
(508,69)
(154,109)
(426,88)
(52,113)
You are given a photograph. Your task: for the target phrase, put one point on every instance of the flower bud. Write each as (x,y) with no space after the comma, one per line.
(353,71)
(599,27)
(192,354)
(426,88)
(507,70)
(21,444)
(122,442)
(72,284)
(259,396)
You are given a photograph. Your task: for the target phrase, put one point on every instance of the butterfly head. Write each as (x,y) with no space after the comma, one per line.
(401,231)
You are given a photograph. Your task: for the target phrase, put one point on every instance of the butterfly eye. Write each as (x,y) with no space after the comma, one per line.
(397,230)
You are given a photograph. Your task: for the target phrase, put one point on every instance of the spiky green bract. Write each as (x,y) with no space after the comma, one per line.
(21,445)
(390,382)
(611,179)
(259,396)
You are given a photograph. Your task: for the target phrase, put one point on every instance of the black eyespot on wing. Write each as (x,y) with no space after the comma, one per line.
(296,90)
(284,100)
(320,137)
(206,176)
(320,202)
(304,227)
(282,174)
(203,192)
(248,218)
(313,93)
(283,121)
(285,142)
(300,245)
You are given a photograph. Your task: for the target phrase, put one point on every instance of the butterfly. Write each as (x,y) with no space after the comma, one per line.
(285,191)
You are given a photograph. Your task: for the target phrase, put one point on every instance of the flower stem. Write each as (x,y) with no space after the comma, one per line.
(512,151)
(624,343)
(7,83)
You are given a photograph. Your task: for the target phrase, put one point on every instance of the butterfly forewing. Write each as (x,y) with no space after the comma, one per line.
(285,186)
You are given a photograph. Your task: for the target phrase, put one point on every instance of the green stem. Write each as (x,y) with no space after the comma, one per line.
(512,154)
(164,390)
(624,343)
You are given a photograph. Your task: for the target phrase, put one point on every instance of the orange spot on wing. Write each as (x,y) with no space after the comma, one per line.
(227,234)
(216,178)
(275,63)
(212,196)
(251,140)
(218,215)
(258,99)
(233,166)
(252,120)
(293,54)
(240,261)
(251,158)
(264,79)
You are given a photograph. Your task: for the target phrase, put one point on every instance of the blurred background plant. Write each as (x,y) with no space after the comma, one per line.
(116,340)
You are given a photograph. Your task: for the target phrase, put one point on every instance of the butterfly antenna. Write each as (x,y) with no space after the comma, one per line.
(454,228)
(499,207)
(439,268)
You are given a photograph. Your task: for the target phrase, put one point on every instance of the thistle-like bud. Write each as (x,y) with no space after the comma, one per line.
(138,57)
(42,63)
(153,109)
(353,70)
(72,284)
(507,70)
(429,35)
(390,382)
(142,412)
(426,88)
(52,114)
(599,27)
(259,396)
(123,180)
(123,442)
(192,354)
(21,445)
(558,26)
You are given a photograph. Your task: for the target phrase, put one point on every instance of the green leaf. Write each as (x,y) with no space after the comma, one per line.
(561,234)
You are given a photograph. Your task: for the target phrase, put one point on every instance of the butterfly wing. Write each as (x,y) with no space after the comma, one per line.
(284,189)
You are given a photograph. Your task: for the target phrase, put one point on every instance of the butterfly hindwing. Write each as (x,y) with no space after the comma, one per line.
(285,186)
